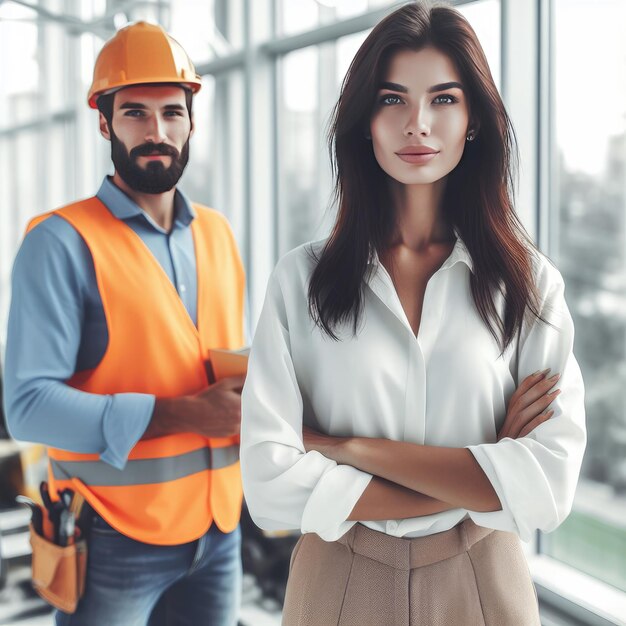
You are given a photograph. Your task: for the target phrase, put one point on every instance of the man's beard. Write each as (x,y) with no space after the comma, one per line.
(155,178)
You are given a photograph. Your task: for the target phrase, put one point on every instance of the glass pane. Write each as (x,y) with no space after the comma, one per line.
(200,170)
(26,171)
(296,15)
(589,246)
(300,144)
(55,168)
(299,15)
(205,29)
(308,91)
(17,35)
(215,170)
(347,8)
(484,16)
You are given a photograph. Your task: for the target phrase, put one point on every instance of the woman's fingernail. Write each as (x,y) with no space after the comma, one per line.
(545,371)
(555,377)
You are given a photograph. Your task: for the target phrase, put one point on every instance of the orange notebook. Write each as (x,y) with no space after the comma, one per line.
(225,363)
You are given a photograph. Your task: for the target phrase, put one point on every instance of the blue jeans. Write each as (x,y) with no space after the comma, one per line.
(130,583)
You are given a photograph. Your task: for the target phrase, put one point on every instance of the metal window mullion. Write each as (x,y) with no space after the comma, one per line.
(547,204)
(235,61)
(520,86)
(327,94)
(275,6)
(275,157)
(43,108)
(248,69)
(504,52)
(38,122)
(260,201)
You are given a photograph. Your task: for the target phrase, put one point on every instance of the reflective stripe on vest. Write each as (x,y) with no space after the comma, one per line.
(145,471)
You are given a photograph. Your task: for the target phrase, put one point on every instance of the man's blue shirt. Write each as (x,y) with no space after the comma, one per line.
(57,327)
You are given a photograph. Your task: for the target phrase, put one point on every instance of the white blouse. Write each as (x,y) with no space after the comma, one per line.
(447,387)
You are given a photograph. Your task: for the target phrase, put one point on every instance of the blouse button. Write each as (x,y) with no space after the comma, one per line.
(392,526)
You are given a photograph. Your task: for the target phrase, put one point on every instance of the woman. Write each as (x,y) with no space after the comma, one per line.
(398,407)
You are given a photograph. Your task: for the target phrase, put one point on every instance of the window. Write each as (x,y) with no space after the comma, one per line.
(587,240)
(308,89)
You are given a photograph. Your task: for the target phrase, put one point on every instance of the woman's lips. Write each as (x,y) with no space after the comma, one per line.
(417,158)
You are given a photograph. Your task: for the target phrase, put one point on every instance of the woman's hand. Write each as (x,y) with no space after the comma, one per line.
(528,404)
(325,444)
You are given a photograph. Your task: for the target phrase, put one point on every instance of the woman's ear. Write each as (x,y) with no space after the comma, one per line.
(475,126)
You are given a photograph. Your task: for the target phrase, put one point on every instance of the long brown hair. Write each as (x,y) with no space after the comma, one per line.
(478,198)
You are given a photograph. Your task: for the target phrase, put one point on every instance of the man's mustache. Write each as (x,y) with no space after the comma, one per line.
(147,149)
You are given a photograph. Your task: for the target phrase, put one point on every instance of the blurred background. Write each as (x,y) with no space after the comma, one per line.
(271,71)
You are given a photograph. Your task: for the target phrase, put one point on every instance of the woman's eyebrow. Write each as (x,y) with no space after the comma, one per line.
(443,86)
(433,89)
(394,87)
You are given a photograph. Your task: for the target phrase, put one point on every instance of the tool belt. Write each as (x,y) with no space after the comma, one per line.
(59,572)
(59,548)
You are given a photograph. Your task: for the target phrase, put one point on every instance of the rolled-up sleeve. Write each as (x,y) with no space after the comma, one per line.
(286,487)
(535,476)
(43,339)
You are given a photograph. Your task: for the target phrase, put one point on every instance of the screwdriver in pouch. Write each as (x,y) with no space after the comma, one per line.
(65,530)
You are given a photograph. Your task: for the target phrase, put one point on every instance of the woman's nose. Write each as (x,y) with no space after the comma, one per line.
(418,123)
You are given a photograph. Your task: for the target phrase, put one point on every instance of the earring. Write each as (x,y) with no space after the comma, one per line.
(470,136)
(368,137)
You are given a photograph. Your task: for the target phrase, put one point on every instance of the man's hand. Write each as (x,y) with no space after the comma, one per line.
(219,410)
(528,404)
(214,412)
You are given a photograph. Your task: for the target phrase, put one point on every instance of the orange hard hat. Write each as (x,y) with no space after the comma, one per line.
(137,54)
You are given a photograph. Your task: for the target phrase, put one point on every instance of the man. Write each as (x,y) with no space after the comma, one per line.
(116,301)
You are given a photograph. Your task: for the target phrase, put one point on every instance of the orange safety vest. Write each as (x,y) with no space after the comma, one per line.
(172,487)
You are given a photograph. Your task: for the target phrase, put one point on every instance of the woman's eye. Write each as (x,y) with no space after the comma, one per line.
(390,100)
(450,99)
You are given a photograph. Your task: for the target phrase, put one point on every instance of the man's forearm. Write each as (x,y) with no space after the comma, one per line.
(383,500)
(449,475)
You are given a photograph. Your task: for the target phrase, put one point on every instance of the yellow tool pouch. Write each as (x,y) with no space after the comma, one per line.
(58,572)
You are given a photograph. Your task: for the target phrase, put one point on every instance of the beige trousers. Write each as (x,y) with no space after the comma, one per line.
(465,576)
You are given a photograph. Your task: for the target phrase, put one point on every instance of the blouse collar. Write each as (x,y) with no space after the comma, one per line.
(459,253)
